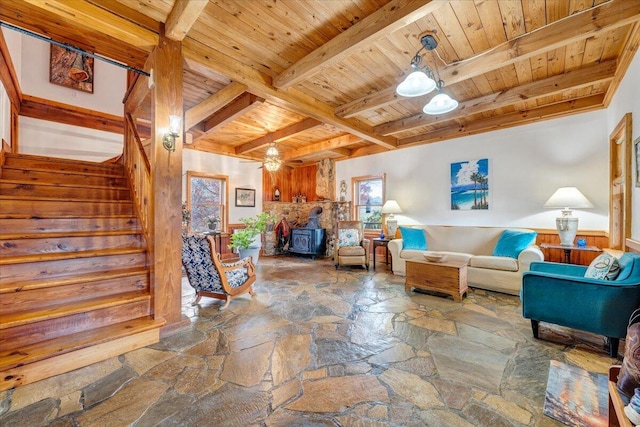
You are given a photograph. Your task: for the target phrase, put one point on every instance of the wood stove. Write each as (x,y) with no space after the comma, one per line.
(311,240)
(308,241)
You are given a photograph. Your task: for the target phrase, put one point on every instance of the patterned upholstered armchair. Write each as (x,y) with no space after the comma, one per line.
(211,277)
(351,248)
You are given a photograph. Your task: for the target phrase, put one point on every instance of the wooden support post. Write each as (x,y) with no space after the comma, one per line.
(166,172)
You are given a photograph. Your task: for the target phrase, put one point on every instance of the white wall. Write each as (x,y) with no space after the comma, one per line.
(526,165)
(627,99)
(241,174)
(59,140)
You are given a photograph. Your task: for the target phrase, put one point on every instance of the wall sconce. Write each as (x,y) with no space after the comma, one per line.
(169,138)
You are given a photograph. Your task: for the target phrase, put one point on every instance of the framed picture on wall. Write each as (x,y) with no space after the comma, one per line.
(245,197)
(636,144)
(71,69)
(470,185)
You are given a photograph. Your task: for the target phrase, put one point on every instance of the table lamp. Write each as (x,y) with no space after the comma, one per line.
(391,207)
(567,225)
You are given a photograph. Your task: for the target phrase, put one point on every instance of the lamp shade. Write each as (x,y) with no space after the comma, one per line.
(568,197)
(416,84)
(440,104)
(391,207)
(567,225)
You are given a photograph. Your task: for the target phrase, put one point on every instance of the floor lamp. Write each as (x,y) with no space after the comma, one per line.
(567,224)
(391,207)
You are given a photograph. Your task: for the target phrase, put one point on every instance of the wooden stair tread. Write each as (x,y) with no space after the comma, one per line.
(12,358)
(63,199)
(68,255)
(107,173)
(53,312)
(28,285)
(44,235)
(60,185)
(20,157)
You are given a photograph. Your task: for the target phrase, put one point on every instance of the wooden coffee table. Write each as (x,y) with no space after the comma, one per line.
(445,277)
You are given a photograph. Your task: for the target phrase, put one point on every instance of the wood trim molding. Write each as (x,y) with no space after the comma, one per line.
(8,75)
(633,245)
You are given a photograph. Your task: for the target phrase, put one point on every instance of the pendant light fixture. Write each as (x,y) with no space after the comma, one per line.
(423,80)
(272,160)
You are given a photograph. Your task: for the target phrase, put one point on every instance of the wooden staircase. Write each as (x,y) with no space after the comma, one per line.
(74,277)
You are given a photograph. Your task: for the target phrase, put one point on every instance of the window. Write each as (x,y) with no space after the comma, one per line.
(368,198)
(208,196)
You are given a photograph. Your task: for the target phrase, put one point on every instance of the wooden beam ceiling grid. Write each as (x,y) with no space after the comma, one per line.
(182,17)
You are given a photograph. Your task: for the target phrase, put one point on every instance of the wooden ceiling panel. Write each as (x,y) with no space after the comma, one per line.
(506,62)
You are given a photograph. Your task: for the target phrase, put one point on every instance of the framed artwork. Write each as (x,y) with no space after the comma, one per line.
(245,197)
(470,185)
(71,69)
(637,146)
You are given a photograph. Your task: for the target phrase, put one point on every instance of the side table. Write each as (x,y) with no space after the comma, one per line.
(568,249)
(381,242)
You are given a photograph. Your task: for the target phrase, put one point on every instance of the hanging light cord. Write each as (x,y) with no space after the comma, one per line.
(72,48)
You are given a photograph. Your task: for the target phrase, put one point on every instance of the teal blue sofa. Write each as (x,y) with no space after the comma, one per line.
(560,294)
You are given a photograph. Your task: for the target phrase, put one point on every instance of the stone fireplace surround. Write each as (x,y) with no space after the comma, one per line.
(332,212)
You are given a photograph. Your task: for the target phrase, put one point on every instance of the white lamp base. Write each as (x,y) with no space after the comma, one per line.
(392,227)
(567,229)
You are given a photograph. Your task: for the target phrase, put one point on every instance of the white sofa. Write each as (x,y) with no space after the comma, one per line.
(474,246)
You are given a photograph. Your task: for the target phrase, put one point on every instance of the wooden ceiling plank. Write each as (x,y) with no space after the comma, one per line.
(182,17)
(90,16)
(332,144)
(278,135)
(235,109)
(389,18)
(214,103)
(546,87)
(581,26)
(518,118)
(205,60)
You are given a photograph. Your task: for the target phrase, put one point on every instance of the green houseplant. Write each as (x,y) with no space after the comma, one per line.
(244,239)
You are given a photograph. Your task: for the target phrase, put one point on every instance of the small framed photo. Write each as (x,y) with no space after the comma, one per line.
(245,197)
(637,147)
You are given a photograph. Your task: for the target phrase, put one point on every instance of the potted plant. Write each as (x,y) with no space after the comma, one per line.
(214,222)
(244,239)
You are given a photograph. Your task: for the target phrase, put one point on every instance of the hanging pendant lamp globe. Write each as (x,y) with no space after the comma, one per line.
(440,104)
(416,84)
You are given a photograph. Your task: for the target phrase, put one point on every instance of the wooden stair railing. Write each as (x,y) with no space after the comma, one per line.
(74,277)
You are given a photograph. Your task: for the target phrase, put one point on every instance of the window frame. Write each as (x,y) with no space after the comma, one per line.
(355,185)
(224,206)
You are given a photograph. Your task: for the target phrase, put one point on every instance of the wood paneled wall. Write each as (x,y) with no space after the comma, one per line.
(594,238)
(290,182)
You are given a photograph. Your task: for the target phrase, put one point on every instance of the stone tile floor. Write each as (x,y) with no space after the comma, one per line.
(320,347)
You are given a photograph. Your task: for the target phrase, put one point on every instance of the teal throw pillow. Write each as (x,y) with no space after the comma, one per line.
(413,238)
(512,242)
(604,267)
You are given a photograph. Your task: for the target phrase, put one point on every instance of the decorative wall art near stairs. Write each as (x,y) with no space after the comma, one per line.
(74,280)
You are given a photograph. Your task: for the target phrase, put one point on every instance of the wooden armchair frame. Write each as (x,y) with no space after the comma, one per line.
(207,286)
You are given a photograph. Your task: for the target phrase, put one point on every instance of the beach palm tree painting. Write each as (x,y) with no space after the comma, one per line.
(470,185)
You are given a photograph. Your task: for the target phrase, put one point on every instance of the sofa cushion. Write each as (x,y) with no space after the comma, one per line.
(494,262)
(604,267)
(512,242)
(348,237)
(413,238)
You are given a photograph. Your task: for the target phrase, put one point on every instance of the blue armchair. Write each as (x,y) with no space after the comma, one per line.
(560,294)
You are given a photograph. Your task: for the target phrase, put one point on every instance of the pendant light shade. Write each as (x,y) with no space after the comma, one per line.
(440,104)
(416,84)
(272,159)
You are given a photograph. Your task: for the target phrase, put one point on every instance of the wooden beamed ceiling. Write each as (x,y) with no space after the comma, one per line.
(318,78)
